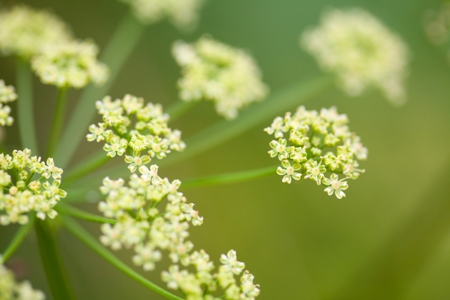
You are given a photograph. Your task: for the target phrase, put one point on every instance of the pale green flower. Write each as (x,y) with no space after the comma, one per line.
(230,262)
(360,51)
(130,125)
(288,171)
(184,14)
(71,64)
(216,72)
(28,185)
(314,144)
(335,185)
(25,31)
(7,94)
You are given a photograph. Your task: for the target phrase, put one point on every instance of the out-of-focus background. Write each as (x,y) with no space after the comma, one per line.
(388,239)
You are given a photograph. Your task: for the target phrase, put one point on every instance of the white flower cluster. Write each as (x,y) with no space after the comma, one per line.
(184,14)
(7,94)
(361,51)
(141,225)
(217,72)
(311,144)
(437,25)
(149,133)
(25,31)
(72,64)
(28,184)
(11,290)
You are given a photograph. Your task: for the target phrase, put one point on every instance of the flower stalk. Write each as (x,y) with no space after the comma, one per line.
(227,178)
(25,106)
(17,240)
(58,121)
(51,260)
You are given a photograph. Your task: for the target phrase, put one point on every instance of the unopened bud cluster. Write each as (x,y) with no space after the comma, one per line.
(7,94)
(11,290)
(28,184)
(25,31)
(184,14)
(72,64)
(360,51)
(216,72)
(150,230)
(131,128)
(313,145)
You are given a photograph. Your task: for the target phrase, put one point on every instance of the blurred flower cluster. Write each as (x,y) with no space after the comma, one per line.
(217,72)
(11,290)
(313,144)
(72,64)
(42,38)
(122,134)
(28,184)
(25,31)
(437,26)
(184,14)
(360,51)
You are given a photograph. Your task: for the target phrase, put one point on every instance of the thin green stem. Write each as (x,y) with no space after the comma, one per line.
(92,243)
(80,214)
(17,240)
(25,108)
(52,262)
(58,121)
(121,45)
(92,163)
(179,108)
(229,177)
(223,131)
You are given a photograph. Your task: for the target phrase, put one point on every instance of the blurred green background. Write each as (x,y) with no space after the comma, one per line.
(388,239)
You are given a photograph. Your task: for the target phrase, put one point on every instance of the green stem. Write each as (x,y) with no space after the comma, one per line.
(92,243)
(51,260)
(223,131)
(17,240)
(80,214)
(121,45)
(179,108)
(25,106)
(229,177)
(58,121)
(92,163)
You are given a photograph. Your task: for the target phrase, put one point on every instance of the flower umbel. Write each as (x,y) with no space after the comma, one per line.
(7,94)
(183,14)
(71,64)
(150,231)
(132,128)
(28,184)
(217,72)
(11,290)
(313,144)
(25,31)
(360,51)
